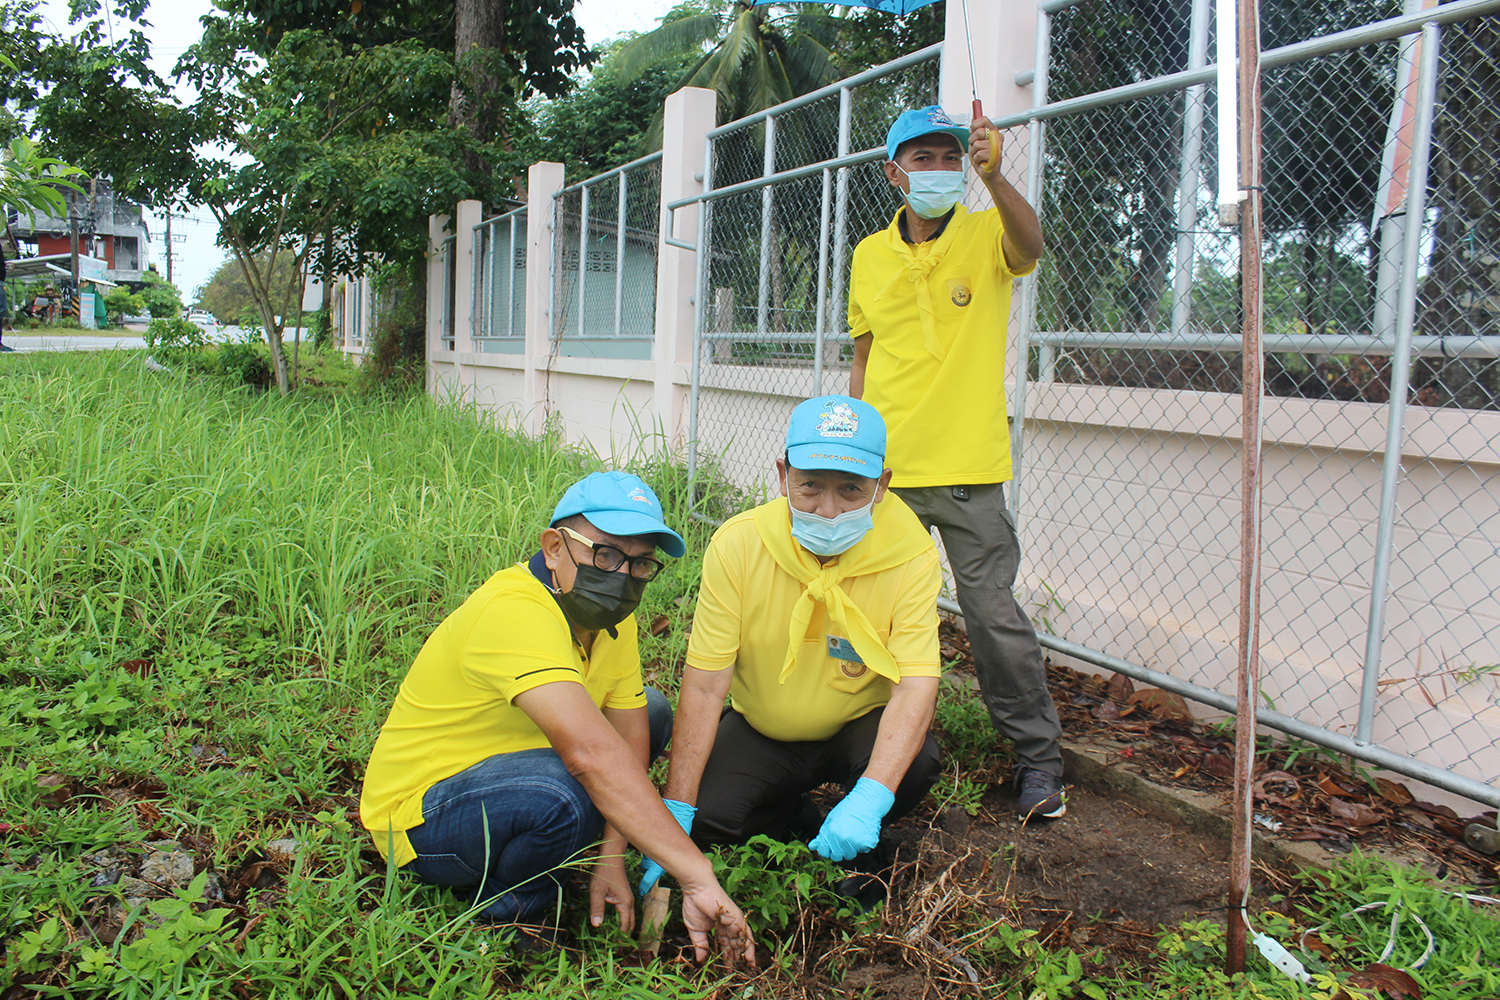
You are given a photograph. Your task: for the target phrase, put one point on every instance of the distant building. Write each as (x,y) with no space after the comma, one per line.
(110,227)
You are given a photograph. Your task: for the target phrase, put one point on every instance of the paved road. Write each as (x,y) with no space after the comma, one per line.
(84,341)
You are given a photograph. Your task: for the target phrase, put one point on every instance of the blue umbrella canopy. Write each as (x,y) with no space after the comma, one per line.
(888,6)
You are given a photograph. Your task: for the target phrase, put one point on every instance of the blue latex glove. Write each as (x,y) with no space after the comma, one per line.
(853,826)
(650,870)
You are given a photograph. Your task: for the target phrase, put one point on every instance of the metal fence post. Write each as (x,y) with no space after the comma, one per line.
(620,251)
(767,209)
(836,291)
(1406,317)
(700,292)
(1036,136)
(1188,178)
(583,252)
(822,318)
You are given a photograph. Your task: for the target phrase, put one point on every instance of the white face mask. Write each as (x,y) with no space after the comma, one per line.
(933,193)
(830,536)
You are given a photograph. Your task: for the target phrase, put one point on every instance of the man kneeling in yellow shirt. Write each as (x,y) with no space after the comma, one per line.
(817,617)
(522,733)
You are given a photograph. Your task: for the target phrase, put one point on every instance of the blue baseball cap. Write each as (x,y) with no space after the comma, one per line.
(620,504)
(837,432)
(924,121)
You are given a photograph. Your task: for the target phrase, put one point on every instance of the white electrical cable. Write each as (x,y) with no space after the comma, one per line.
(1390,944)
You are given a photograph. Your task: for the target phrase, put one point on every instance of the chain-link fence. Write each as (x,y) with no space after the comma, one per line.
(794,189)
(1379,636)
(1380,630)
(604,262)
(500,283)
(447,329)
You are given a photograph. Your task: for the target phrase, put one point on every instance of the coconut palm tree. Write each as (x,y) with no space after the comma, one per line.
(754,57)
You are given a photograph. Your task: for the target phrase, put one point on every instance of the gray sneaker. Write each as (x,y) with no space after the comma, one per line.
(1040,795)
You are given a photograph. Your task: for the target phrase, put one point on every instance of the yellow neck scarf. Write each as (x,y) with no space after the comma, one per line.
(896,538)
(917,274)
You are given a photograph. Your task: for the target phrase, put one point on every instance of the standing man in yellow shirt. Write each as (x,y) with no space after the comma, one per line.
(929,302)
(817,618)
(522,733)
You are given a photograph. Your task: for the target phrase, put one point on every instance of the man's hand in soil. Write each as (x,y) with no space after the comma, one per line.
(611,886)
(707,908)
(853,826)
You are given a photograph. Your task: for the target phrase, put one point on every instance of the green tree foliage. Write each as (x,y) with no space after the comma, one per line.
(752,57)
(34,183)
(870,37)
(159,296)
(601,124)
(227,294)
(120,302)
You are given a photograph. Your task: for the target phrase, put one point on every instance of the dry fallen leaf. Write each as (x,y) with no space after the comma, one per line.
(660,624)
(1219,765)
(1166,704)
(1390,982)
(1356,813)
(1332,788)
(1121,687)
(57,791)
(1106,710)
(1393,791)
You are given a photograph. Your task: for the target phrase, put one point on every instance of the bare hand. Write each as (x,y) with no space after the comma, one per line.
(609,885)
(709,909)
(981,130)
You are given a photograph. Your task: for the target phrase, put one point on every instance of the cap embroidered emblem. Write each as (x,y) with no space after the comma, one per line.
(839,420)
(937,116)
(639,496)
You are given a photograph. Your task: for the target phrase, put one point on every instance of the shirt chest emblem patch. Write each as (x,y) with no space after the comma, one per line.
(960,294)
(842,650)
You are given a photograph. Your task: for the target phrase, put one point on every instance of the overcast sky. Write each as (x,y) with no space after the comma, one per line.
(174,27)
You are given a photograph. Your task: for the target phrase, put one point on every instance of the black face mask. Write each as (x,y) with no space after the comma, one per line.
(601,600)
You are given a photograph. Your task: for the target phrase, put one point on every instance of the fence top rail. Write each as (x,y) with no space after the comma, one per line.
(1339,41)
(639,161)
(922,55)
(851,160)
(499,218)
(1273,343)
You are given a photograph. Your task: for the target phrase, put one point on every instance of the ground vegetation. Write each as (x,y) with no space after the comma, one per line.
(191,688)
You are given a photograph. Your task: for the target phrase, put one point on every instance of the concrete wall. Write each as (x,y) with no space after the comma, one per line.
(614,406)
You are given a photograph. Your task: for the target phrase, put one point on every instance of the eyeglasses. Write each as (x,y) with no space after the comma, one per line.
(610,559)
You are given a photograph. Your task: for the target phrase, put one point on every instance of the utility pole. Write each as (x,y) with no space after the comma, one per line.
(169,246)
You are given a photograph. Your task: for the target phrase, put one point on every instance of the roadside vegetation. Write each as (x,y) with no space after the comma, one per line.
(207,598)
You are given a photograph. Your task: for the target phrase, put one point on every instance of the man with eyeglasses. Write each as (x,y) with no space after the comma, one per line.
(817,618)
(522,732)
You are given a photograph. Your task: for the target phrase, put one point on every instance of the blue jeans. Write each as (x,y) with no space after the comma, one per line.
(500,830)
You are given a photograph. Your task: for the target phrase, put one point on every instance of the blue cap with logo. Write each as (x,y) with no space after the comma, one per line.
(620,504)
(837,432)
(923,121)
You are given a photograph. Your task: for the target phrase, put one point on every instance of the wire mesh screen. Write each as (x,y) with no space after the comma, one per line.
(1131,470)
(449,253)
(605,262)
(500,283)
(773,328)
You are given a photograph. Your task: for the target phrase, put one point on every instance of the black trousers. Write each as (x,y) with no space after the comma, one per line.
(753,784)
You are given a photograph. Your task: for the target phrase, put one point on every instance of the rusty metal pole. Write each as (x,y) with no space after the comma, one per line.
(1250,422)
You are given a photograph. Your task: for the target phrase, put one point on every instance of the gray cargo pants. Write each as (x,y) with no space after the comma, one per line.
(984,553)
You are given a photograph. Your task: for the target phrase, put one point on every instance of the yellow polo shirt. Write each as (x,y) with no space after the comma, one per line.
(745,602)
(938,313)
(456,706)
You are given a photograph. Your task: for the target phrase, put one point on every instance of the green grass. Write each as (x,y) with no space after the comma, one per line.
(207,598)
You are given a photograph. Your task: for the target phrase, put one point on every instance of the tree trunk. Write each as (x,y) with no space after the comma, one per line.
(479,25)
